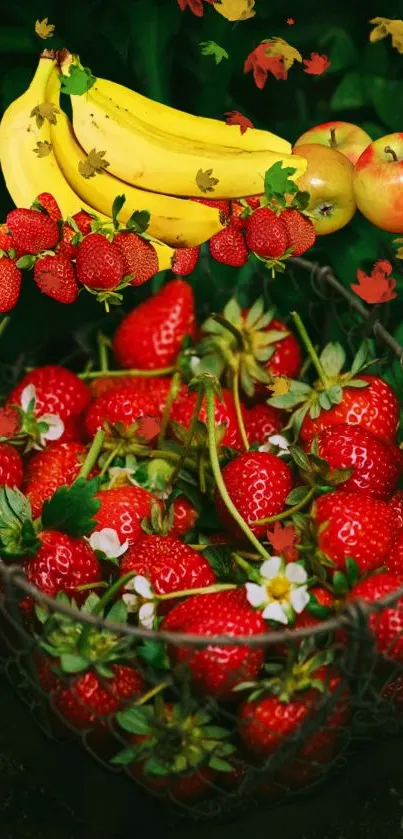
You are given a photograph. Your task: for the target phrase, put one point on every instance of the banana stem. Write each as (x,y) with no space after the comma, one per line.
(215,465)
(147,374)
(191,432)
(238,410)
(168,405)
(92,455)
(310,349)
(291,510)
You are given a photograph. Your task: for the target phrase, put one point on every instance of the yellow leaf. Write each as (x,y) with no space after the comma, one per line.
(44,29)
(46,110)
(281,48)
(236,9)
(384,26)
(280,386)
(42,149)
(205,180)
(399,252)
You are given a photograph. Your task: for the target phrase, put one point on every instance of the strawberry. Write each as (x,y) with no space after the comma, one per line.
(10,284)
(32,231)
(185,261)
(375,408)
(185,516)
(151,335)
(300,231)
(49,204)
(258,484)
(169,565)
(215,670)
(376,466)
(123,509)
(396,503)
(395,558)
(139,257)
(61,565)
(357,526)
(266,235)
(57,391)
(83,222)
(228,246)
(261,422)
(386,623)
(186,787)
(6,240)
(287,357)
(54,276)
(122,405)
(48,470)
(240,215)
(183,409)
(157,386)
(99,264)
(11,466)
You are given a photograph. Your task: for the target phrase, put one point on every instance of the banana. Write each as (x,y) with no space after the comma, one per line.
(199,130)
(175,221)
(27,159)
(147,157)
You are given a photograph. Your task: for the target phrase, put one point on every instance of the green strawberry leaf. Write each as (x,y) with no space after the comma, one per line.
(340,584)
(71,663)
(333,359)
(78,81)
(220,559)
(363,356)
(300,458)
(17,533)
(153,653)
(317,611)
(297,495)
(277,181)
(220,765)
(301,200)
(136,720)
(153,766)
(352,571)
(124,757)
(72,508)
(118,612)
(138,221)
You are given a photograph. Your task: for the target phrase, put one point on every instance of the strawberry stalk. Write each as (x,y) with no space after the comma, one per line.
(215,465)
(92,454)
(191,432)
(103,344)
(98,374)
(291,510)
(172,393)
(189,592)
(151,693)
(4,323)
(110,458)
(311,350)
(238,411)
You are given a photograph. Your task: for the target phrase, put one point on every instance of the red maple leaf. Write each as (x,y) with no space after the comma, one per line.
(290,21)
(261,64)
(195,6)
(316,64)
(49,281)
(236,118)
(148,428)
(377,287)
(9,422)
(284,540)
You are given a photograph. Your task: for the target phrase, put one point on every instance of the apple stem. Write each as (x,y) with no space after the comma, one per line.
(333,142)
(389,150)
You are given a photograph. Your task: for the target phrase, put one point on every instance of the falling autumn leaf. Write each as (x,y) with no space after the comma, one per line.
(384,26)
(44,29)
(283,539)
(261,64)
(9,422)
(235,9)
(43,149)
(376,287)
(93,164)
(279,47)
(211,48)
(316,64)
(399,252)
(236,118)
(195,6)
(148,428)
(290,21)
(280,386)
(46,110)
(205,180)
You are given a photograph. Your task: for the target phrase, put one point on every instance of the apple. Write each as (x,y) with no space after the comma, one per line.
(378,183)
(329,181)
(347,138)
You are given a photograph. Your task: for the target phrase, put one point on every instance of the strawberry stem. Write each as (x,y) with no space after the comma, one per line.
(189,592)
(103,352)
(191,432)
(98,374)
(151,693)
(4,323)
(291,510)
(91,586)
(238,410)
(92,454)
(113,590)
(310,349)
(110,458)
(172,393)
(252,573)
(215,465)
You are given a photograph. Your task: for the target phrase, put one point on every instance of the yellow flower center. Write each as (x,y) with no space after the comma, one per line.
(278,588)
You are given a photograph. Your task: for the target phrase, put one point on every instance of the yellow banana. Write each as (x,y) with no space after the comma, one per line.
(176,221)
(199,130)
(146,157)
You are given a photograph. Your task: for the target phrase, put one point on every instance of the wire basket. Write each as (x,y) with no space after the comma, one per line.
(225,753)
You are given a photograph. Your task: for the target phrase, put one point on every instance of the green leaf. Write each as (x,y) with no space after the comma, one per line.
(352,571)
(136,720)
(215,731)
(340,584)
(17,534)
(350,93)
(335,394)
(333,359)
(297,495)
(118,612)
(71,663)
(78,81)
(138,221)
(255,313)
(220,559)
(220,765)
(361,357)
(124,757)
(287,400)
(301,200)
(300,458)
(387,100)
(277,180)
(72,508)
(153,766)
(117,205)
(211,48)
(153,653)
(340,49)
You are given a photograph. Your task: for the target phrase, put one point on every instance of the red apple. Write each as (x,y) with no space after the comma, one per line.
(378,183)
(329,181)
(345,137)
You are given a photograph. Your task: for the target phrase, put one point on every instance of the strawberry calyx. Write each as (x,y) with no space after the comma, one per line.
(31,431)
(305,669)
(18,535)
(111,297)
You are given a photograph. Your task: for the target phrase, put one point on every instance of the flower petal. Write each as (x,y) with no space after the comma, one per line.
(256,595)
(280,441)
(299,599)
(142,587)
(271,567)
(296,573)
(132,602)
(146,615)
(55,427)
(107,541)
(275,612)
(27,395)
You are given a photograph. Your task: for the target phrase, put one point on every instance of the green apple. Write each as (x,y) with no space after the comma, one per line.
(345,137)
(329,181)
(378,183)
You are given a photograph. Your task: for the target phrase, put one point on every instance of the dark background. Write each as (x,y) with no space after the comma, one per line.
(53,790)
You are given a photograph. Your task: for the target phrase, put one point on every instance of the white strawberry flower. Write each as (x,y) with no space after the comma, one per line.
(28,398)
(140,598)
(279,441)
(281,592)
(120,475)
(107,541)
(194,363)
(55,428)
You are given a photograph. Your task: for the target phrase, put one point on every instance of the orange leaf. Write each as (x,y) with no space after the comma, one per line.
(236,118)
(9,422)
(195,6)
(148,428)
(290,21)
(316,64)
(376,287)
(283,539)
(261,64)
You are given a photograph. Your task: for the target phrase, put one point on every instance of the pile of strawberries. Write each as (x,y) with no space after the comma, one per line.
(205,486)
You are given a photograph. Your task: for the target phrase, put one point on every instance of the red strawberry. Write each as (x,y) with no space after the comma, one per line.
(123,405)
(216,669)
(258,484)
(185,516)
(185,261)
(375,408)
(237,210)
(266,235)
(396,502)
(395,558)
(6,240)
(99,263)
(300,231)
(139,257)
(261,422)
(183,409)
(61,564)
(377,466)
(218,203)
(385,623)
(287,357)
(169,565)
(151,335)
(10,284)
(11,466)
(123,509)
(54,276)
(157,386)
(58,391)
(48,470)
(83,221)
(187,787)
(32,231)
(49,203)
(228,246)
(358,527)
